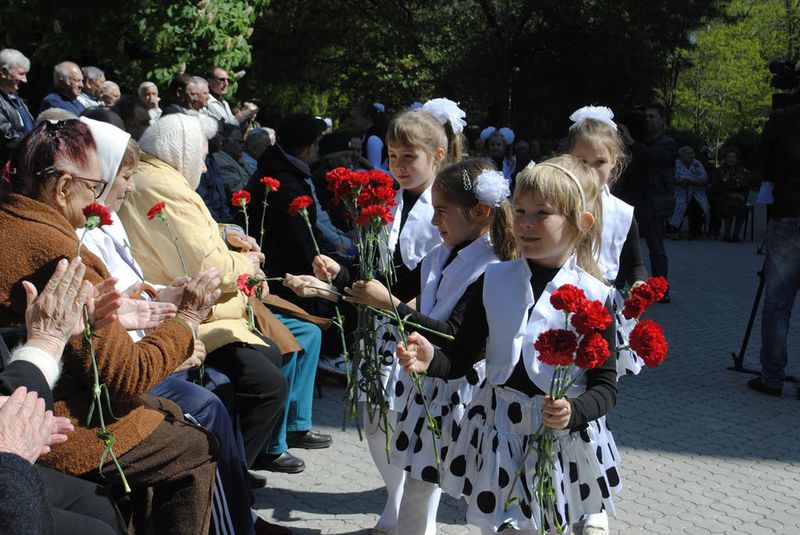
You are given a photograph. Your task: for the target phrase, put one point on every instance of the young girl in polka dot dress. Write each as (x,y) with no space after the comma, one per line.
(556,205)
(473,215)
(419,144)
(593,139)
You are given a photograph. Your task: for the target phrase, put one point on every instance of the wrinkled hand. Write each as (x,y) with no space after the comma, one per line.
(325,267)
(240,241)
(309,286)
(138,314)
(200,294)
(53,316)
(104,304)
(197,358)
(174,292)
(255,258)
(556,413)
(25,426)
(371,293)
(416,355)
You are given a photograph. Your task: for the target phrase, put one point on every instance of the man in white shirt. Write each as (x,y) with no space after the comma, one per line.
(217,107)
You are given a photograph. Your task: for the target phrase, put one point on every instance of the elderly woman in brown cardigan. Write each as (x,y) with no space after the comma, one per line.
(55,173)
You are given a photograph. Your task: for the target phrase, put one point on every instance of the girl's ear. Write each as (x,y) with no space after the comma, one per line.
(481,213)
(587,220)
(438,156)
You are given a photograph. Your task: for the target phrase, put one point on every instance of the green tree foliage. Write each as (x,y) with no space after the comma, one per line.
(528,63)
(725,87)
(132,40)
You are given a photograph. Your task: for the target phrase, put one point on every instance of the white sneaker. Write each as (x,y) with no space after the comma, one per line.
(334,365)
(596,524)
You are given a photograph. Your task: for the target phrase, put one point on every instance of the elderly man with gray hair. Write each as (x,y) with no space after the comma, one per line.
(109,93)
(68,85)
(93,80)
(148,95)
(15,118)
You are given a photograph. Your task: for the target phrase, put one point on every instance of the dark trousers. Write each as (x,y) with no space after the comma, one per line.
(178,460)
(260,390)
(230,512)
(651,228)
(80,507)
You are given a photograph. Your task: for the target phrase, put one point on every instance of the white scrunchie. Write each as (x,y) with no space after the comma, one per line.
(598,113)
(445,110)
(380,107)
(491,188)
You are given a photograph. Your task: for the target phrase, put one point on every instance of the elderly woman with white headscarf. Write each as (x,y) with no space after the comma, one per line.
(119,155)
(172,161)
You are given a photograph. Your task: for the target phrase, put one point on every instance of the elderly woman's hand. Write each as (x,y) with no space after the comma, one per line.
(310,286)
(138,314)
(199,295)
(173,293)
(25,425)
(197,358)
(53,316)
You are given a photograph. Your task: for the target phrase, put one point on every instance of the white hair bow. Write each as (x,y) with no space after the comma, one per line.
(445,110)
(598,113)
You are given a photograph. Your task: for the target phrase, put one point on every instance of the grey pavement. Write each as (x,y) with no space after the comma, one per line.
(701,452)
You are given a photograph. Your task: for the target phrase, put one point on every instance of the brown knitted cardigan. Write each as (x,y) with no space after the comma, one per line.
(33,238)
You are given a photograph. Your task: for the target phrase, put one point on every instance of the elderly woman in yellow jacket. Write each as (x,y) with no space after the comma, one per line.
(169,170)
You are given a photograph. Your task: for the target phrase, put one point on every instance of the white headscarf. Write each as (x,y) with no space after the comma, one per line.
(177,140)
(111,144)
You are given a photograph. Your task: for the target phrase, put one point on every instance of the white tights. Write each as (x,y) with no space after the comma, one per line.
(393,477)
(418,507)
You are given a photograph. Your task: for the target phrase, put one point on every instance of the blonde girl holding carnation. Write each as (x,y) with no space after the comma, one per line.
(593,139)
(420,142)
(556,213)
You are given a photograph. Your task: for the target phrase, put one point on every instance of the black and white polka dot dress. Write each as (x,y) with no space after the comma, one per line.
(396,384)
(413,442)
(489,444)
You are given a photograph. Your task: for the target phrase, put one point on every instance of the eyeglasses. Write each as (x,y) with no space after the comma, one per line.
(98,187)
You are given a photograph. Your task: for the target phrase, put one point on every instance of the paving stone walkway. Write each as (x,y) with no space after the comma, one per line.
(701,452)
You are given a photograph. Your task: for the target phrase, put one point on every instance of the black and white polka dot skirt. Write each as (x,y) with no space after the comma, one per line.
(413,443)
(395,382)
(489,446)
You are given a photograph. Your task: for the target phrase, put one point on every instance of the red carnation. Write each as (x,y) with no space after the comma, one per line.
(246,289)
(337,175)
(659,286)
(592,317)
(240,199)
(359,178)
(365,199)
(634,307)
(385,194)
(648,341)
(379,178)
(370,213)
(299,204)
(271,183)
(96,216)
(568,298)
(592,351)
(556,347)
(156,210)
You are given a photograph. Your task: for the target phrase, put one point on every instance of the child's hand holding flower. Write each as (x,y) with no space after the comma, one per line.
(556,413)
(325,267)
(309,286)
(371,293)
(416,354)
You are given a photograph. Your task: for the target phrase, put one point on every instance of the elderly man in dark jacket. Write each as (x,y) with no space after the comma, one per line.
(649,184)
(15,118)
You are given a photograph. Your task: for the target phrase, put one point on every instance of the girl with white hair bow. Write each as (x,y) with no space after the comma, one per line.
(498,148)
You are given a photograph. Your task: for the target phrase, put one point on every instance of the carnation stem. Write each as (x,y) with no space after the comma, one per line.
(391,316)
(177,248)
(263,214)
